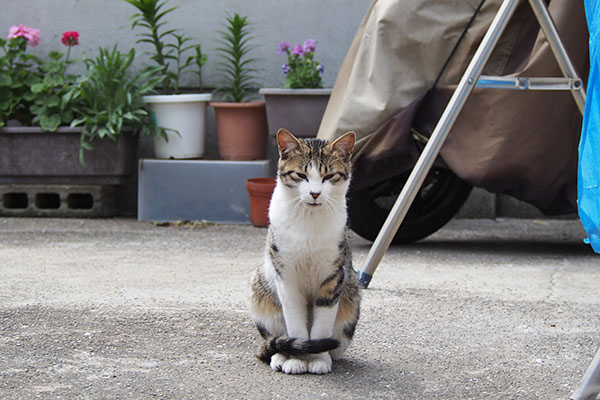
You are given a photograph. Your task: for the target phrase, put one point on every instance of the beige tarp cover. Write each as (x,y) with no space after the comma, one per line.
(516,142)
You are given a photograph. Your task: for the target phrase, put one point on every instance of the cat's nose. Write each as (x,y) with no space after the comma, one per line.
(315,195)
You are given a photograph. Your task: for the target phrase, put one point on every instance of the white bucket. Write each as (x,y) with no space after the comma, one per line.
(184,113)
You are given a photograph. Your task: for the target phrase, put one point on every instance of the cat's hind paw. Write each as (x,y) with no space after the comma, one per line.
(320,364)
(294,366)
(277,361)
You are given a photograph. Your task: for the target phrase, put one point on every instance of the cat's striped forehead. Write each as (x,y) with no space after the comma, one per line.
(317,153)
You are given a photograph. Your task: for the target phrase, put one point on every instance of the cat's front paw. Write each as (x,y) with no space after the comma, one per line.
(320,364)
(277,361)
(294,366)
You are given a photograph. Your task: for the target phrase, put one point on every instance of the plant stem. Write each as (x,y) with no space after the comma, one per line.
(64,71)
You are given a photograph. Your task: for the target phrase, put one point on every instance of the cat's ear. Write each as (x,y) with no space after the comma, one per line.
(286,142)
(344,144)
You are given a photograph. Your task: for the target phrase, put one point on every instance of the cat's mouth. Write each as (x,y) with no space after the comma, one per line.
(313,204)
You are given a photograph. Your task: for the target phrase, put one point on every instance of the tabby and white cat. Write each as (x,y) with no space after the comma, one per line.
(305,296)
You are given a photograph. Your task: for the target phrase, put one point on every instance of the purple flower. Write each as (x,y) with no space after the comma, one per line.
(321,69)
(310,45)
(283,47)
(298,50)
(285,68)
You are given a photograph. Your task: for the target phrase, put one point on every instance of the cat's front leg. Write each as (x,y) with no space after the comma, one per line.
(295,315)
(323,322)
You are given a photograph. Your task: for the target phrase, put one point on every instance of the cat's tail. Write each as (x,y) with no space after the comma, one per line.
(295,347)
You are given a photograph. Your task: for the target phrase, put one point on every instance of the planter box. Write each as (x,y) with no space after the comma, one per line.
(29,155)
(173,190)
(298,110)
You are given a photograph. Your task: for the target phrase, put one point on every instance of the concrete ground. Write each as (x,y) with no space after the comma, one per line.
(102,309)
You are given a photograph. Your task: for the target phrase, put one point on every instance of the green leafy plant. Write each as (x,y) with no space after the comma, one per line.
(16,78)
(33,89)
(51,104)
(170,47)
(104,100)
(235,47)
(110,98)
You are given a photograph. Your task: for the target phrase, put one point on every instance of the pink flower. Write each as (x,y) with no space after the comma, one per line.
(283,48)
(32,35)
(70,38)
(298,50)
(310,45)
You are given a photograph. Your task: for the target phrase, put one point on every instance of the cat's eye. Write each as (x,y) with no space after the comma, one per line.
(328,177)
(302,176)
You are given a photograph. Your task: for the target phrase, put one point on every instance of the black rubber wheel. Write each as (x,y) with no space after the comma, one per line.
(440,197)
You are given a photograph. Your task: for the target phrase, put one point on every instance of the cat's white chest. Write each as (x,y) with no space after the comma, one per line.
(309,248)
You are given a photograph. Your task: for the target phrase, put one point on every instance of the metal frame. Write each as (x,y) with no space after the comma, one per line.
(472,78)
(589,387)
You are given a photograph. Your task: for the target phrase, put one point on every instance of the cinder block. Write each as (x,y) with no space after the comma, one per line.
(58,201)
(172,190)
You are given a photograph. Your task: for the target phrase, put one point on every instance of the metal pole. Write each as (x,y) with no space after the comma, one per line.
(547,25)
(589,387)
(432,149)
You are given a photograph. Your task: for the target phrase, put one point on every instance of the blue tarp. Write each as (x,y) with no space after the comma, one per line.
(588,176)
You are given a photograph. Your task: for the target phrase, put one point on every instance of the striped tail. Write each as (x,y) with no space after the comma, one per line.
(295,347)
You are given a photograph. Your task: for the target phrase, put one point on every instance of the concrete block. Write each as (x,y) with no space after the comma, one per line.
(172,190)
(58,201)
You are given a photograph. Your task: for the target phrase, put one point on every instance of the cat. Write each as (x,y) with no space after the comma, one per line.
(305,296)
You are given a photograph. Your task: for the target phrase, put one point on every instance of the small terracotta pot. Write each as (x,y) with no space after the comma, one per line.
(260,191)
(241,130)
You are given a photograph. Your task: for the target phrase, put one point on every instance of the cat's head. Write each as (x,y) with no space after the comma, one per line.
(315,171)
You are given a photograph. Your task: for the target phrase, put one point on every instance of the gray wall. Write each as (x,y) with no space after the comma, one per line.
(332,23)
(103,23)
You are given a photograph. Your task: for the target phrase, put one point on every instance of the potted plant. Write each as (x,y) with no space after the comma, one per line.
(40,100)
(300,104)
(182,114)
(241,124)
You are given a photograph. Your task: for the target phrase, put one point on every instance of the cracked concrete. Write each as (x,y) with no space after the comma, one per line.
(115,308)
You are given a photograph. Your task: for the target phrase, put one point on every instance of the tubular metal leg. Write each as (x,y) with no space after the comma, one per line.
(432,149)
(589,387)
(545,21)
(468,81)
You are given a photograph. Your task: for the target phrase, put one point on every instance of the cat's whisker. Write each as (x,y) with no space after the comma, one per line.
(329,207)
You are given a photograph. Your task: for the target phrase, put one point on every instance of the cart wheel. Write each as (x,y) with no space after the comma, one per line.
(440,197)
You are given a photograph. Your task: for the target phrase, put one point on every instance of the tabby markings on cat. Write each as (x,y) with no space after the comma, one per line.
(305,297)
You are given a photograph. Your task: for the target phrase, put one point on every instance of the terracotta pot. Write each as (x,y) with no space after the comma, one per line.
(260,191)
(241,130)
